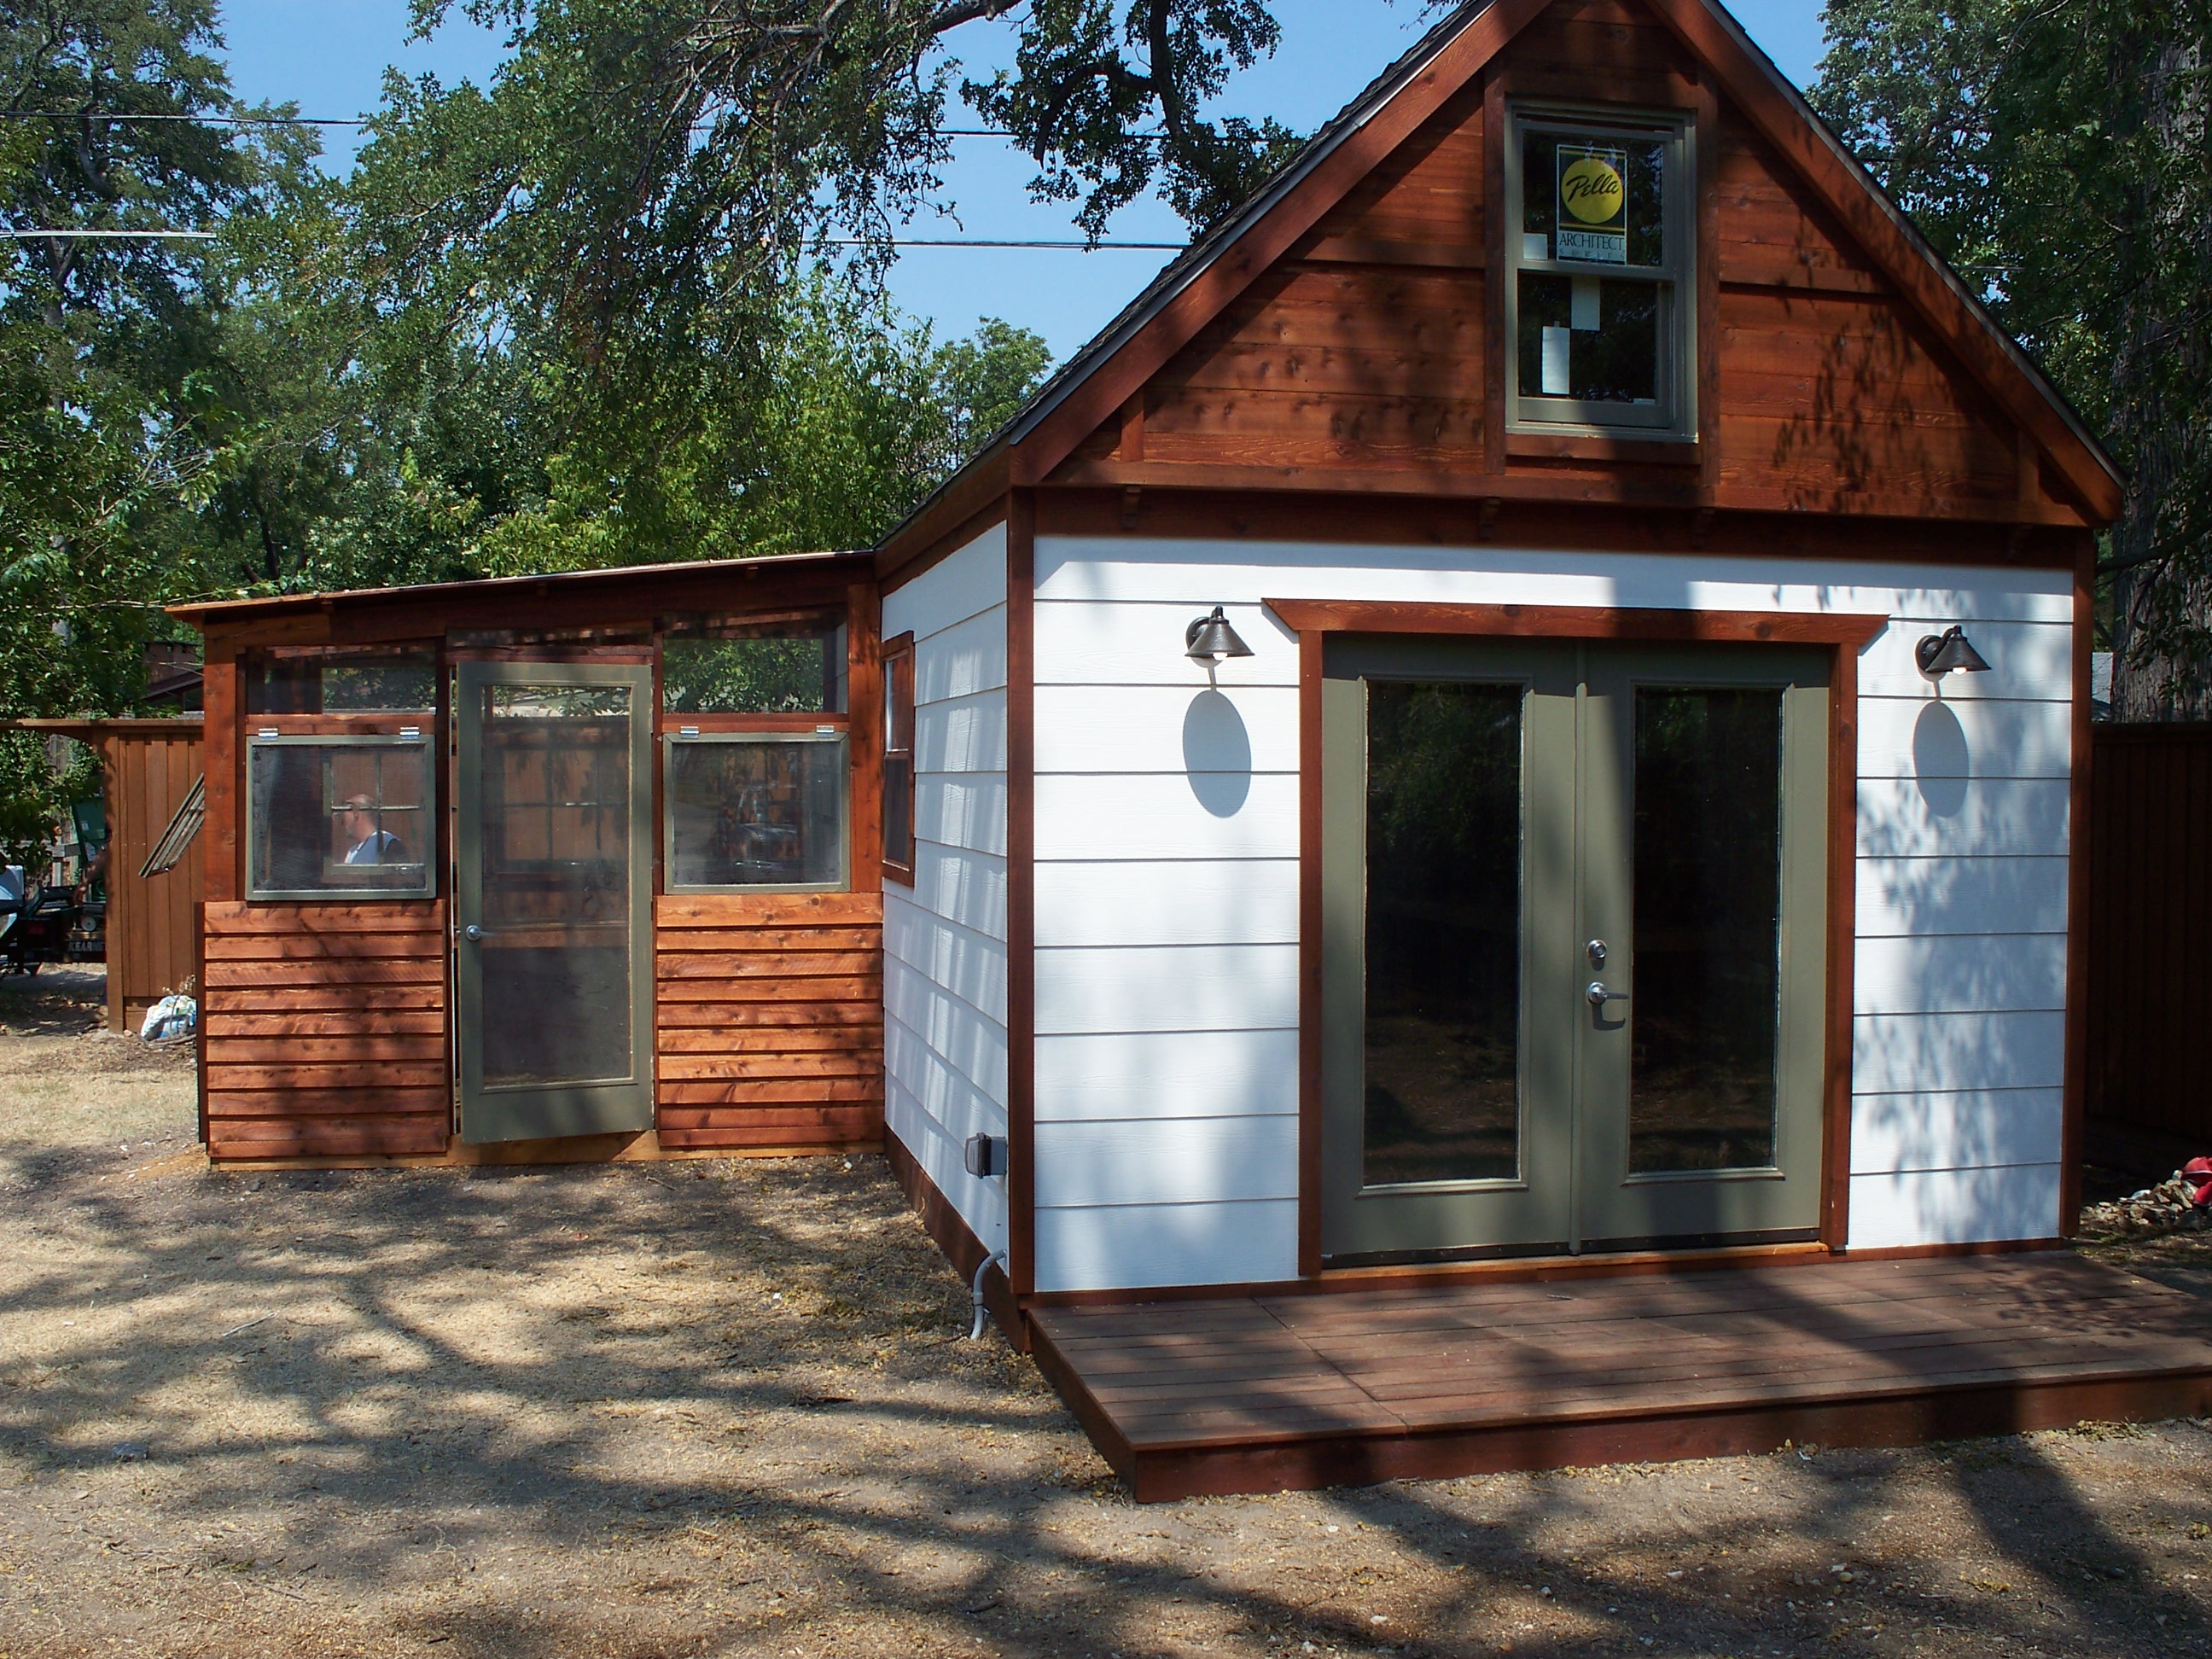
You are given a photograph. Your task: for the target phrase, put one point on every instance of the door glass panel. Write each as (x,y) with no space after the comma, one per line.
(556,951)
(1707,911)
(1443,932)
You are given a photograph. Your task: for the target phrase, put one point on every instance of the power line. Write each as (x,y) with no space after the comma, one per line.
(834,242)
(204,120)
(143,235)
(363,120)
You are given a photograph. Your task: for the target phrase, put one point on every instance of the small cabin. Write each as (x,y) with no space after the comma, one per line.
(1525,704)
(545,869)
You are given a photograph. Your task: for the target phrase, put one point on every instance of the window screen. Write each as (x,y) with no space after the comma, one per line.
(404,682)
(771,674)
(346,817)
(753,809)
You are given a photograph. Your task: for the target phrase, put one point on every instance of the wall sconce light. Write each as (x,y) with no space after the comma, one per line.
(1209,639)
(1949,653)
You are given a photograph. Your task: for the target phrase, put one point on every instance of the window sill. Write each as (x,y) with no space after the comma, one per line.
(1602,447)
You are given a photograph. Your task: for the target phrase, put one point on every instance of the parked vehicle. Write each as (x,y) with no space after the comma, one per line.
(39,927)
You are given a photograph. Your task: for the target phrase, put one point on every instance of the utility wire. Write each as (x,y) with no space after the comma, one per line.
(363,120)
(116,235)
(834,242)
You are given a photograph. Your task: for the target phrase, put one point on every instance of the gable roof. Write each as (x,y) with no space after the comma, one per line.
(1199,282)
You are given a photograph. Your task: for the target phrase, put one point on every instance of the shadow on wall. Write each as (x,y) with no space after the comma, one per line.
(1940,760)
(1216,754)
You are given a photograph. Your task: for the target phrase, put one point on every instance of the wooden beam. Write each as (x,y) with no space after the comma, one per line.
(1570,622)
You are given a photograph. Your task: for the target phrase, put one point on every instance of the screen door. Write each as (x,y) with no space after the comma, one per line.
(552,899)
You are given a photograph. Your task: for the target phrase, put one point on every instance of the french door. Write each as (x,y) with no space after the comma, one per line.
(1573,945)
(552,898)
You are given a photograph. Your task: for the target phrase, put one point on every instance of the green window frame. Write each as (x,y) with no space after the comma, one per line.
(1601,315)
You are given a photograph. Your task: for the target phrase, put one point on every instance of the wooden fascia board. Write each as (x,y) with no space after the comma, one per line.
(1121,375)
(966,495)
(378,615)
(1873,222)
(1574,622)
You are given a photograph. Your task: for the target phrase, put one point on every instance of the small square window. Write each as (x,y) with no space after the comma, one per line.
(338,817)
(756,809)
(1598,272)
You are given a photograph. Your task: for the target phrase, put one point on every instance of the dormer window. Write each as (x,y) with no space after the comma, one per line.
(1599,263)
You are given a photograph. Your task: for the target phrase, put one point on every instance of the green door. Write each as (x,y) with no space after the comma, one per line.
(552,898)
(1573,945)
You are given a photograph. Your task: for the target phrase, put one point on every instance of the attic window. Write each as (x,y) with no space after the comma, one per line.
(1599,260)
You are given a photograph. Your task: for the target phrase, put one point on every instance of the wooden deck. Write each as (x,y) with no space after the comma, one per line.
(1270,1393)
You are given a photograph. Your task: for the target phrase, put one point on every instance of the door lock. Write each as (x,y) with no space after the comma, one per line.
(1597,952)
(472,932)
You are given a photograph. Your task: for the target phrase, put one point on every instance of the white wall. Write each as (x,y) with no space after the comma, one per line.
(1167,839)
(944,939)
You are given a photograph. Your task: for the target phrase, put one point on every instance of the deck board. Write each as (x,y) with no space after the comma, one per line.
(1261,1393)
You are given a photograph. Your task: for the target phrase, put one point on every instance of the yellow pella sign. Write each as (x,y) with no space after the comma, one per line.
(1592,192)
(1591,222)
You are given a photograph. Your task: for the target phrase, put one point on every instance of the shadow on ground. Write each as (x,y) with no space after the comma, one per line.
(724,1408)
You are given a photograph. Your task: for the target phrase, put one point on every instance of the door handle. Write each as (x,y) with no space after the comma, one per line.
(1599,996)
(472,932)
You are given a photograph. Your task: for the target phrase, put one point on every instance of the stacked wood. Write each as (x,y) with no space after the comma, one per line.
(323,1030)
(769,1017)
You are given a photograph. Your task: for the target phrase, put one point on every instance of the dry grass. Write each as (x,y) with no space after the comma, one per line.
(723,1408)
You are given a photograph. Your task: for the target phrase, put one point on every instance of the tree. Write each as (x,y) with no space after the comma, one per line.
(104,344)
(2057,153)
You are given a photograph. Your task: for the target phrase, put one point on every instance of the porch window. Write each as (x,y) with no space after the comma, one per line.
(756,809)
(339,817)
(1599,262)
(755,756)
(898,759)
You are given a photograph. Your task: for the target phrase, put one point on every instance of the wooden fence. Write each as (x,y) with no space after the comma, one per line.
(2150,930)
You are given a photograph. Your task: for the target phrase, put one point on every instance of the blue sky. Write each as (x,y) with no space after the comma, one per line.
(328,57)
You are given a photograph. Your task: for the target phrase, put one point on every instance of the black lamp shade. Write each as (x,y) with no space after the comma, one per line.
(1210,639)
(1949,653)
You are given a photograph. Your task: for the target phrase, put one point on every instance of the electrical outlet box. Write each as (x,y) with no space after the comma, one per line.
(986,1155)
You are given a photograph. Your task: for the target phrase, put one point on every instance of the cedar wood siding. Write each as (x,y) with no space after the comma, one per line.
(1362,353)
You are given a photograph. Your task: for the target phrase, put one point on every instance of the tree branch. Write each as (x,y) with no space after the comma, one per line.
(953,13)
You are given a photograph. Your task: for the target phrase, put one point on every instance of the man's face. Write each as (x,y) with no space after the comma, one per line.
(357,821)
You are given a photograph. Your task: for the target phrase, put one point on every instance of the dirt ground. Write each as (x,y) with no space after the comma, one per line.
(724,1408)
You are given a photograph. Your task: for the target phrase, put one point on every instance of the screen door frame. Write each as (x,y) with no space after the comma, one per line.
(601,1106)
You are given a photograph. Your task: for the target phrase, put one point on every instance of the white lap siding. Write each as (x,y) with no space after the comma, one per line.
(944,939)
(1167,844)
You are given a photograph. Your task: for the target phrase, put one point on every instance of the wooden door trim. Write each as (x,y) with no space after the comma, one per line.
(1846,633)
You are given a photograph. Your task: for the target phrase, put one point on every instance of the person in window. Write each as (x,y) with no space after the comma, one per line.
(368,843)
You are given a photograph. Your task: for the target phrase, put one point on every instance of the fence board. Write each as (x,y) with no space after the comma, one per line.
(2149,978)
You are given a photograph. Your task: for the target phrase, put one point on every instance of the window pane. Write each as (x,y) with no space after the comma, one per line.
(1593,197)
(404,682)
(755,812)
(898,808)
(1590,338)
(555,857)
(1443,932)
(802,674)
(1708,929)
(345,818)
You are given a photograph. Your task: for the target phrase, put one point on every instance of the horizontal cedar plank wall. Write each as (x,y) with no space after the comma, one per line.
(769,1016)
(325,1030)
(1363,353)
